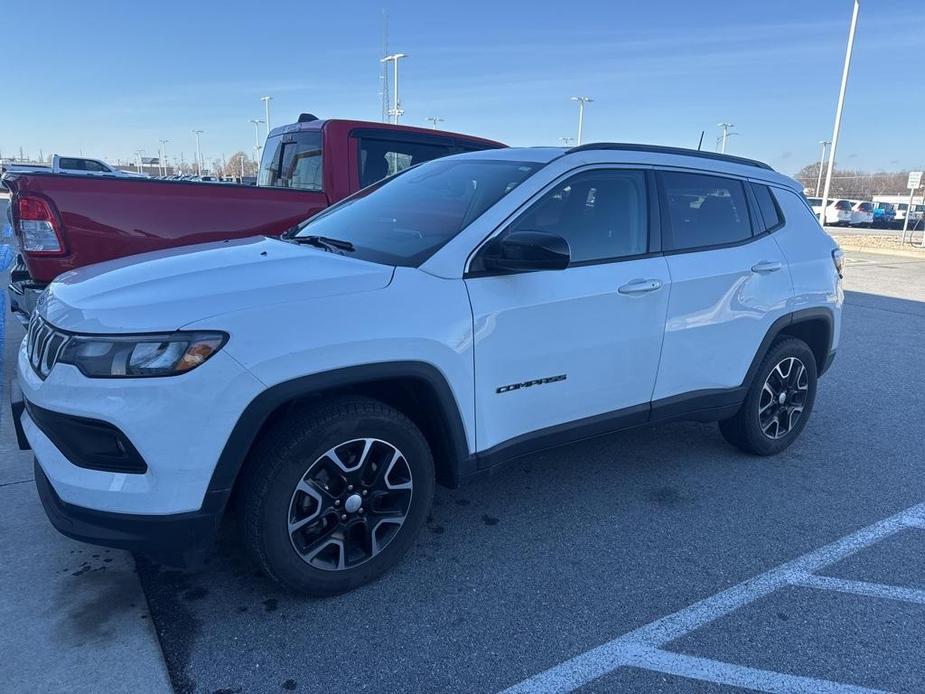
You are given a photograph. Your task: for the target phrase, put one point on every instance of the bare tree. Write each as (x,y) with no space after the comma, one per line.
(854,183)
(233,167)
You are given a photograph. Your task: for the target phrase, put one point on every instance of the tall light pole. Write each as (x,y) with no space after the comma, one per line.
(163,157)
(582,100)
(725,136)
(197,133)
(435,120)
(824,143)
(396,111)
(256,140)
(266,104)
(141,166)
(838,110)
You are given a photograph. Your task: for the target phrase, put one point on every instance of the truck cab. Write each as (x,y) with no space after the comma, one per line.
(64,219)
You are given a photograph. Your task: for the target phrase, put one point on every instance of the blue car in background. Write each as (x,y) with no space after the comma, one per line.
(884,215)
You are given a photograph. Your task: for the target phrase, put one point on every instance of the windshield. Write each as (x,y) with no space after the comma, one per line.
(405,219)
(292,160)
(843,205)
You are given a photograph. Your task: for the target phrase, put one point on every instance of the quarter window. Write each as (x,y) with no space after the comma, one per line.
(602,214)
(767,204)
(703,211)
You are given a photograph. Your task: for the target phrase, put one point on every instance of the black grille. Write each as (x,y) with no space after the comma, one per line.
(43,345)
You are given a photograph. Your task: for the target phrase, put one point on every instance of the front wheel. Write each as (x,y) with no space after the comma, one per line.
(778,403)
(335,495)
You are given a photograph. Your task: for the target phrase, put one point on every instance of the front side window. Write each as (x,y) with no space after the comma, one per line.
(406,219)
(381,158)
(602,214)
(767,205)
(91,165)
(292,160)
(703,211)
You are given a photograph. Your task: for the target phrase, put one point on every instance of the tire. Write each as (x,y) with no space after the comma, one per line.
(305,526)
(752,429)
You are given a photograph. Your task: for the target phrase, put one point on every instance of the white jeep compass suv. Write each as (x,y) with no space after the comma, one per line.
(464,312)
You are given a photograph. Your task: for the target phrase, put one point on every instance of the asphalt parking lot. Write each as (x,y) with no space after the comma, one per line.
(659,559)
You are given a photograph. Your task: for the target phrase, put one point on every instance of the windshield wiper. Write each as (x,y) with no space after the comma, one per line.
(325,242)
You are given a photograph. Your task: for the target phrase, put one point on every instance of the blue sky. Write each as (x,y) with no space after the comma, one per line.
(107,78)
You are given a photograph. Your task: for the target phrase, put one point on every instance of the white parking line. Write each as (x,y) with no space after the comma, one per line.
(873,590)
(738,675)
(626,650)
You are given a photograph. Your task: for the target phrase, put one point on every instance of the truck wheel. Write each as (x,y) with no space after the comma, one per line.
(334,495)
(778,403)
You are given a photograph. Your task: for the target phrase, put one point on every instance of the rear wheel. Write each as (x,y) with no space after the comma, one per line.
(335,495)
(778,403)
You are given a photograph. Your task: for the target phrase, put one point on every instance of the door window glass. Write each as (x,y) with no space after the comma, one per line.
(704,211)
(381,158)
(602,214)
(292,160)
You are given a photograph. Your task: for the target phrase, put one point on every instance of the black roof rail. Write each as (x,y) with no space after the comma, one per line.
(660,149)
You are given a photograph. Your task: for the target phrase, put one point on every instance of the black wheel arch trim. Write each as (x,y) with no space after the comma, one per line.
(807,315)
(255,415)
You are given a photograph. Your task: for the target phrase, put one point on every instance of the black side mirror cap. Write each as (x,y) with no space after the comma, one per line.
(527,251)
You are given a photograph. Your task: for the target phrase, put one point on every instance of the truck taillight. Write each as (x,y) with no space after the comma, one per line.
(37,225)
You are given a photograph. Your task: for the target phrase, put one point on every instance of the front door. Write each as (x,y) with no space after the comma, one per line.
(577,346)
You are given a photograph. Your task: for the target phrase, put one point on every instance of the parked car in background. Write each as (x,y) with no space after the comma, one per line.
(884,215)
(902,211)
(460,314)
(862,213)
(838,213)
(63,221)
(82,166)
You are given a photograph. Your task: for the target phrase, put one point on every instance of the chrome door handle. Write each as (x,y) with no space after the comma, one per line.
(767,266)
(640,287)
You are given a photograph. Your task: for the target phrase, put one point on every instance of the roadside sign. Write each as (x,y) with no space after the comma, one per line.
(915,180)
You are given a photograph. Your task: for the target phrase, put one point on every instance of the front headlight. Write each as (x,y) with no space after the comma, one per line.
(138,356)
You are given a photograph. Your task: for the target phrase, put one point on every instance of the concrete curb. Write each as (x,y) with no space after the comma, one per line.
(903,252)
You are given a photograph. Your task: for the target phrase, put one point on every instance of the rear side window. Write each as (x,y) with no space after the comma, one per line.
(767,205)
(292,160)
(381,158)
(72,164)
(703,211)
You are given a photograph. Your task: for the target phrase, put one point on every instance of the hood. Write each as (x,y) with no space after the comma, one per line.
(165,290)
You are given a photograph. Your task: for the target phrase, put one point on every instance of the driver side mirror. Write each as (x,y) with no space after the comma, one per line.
(525,251)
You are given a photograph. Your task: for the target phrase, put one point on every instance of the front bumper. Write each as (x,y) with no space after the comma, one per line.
(181,540)
(178,426)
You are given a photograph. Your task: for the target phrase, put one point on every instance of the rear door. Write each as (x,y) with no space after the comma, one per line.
(578,346)
(729,283)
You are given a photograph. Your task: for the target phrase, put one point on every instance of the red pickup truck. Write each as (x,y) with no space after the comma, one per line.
(63,221)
